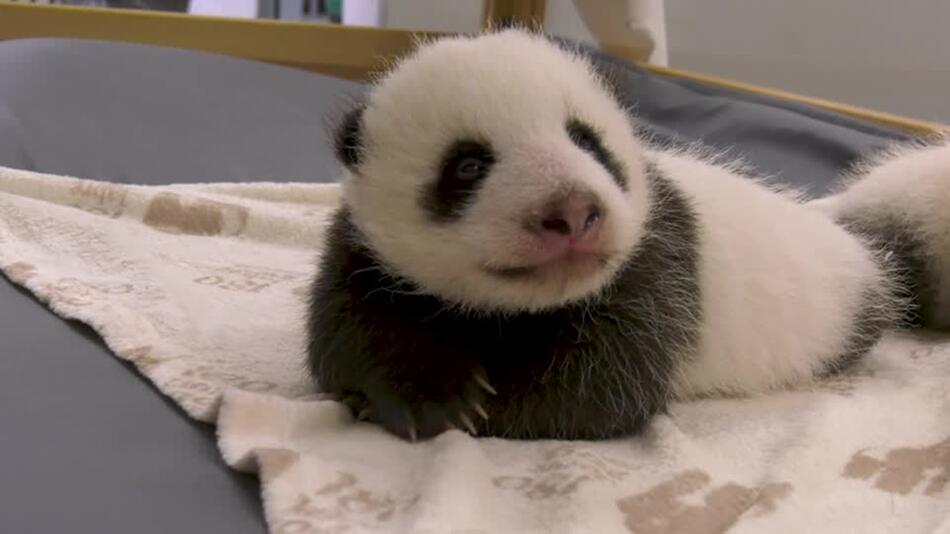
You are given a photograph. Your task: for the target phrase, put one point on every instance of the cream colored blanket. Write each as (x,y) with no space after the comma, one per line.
(203,288)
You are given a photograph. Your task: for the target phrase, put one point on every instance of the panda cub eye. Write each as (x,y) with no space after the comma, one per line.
(588,140)
(469,162)
(583,136)
(463,168)
(470,169)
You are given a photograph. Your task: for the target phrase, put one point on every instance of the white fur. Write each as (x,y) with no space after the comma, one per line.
(912,184)
(781,283)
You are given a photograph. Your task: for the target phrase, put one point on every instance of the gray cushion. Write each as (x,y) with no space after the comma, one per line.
(140,114)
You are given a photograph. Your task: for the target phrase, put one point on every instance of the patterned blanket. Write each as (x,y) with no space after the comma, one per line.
(202,287)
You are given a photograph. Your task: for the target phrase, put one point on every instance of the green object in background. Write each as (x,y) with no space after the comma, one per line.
(335,9)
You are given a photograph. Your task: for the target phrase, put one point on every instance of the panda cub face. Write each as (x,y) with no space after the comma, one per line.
(497,173)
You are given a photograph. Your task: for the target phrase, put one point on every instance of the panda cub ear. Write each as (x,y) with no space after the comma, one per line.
(349,139)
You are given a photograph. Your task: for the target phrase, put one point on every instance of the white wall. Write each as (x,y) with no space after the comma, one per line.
(891,55)
(224,8)
(465,16)
(561,18)
(461,16)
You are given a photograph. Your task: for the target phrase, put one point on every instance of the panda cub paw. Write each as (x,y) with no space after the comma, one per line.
(420,409)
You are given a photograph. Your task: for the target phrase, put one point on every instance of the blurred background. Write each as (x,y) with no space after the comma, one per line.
(881,54)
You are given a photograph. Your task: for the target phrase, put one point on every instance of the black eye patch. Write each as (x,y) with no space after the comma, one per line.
(465,164)
(348,141)
(589,141)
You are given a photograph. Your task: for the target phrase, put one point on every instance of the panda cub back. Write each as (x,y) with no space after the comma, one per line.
(510,259)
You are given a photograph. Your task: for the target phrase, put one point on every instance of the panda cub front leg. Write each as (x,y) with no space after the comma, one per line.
(380,349)
(416,396)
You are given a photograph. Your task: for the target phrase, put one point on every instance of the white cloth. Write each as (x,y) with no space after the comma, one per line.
(203,288)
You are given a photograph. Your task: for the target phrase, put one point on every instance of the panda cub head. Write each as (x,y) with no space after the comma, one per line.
(497,173)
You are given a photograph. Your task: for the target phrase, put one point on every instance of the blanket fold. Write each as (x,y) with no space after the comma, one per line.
(203,288)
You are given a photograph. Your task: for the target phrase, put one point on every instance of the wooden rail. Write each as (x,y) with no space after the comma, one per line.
(343,51)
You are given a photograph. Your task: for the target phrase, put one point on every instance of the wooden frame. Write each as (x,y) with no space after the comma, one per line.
(343,51)
(528,13)
(914,126)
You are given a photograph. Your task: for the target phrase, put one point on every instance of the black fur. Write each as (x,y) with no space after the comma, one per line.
(875,315)
(589,370)
(447,197)
(588,140)
(903,256)
(903,297)
(348,141)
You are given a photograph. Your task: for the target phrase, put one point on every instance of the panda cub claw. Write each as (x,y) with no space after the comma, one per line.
(483,383)
(415,415)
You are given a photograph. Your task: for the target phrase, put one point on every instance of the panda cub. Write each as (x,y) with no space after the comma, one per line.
(511,260)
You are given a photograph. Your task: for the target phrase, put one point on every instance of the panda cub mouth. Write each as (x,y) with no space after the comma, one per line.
(570,265)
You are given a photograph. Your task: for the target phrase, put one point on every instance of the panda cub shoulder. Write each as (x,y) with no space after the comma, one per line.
(510,259)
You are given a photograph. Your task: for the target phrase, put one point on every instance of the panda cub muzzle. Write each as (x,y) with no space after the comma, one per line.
(564,233)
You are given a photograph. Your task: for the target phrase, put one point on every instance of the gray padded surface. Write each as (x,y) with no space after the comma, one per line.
(88,446)
(138,114)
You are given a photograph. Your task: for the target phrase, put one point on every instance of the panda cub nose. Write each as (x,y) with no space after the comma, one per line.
(572,216)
